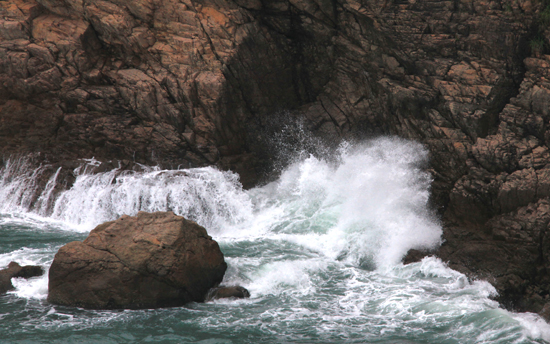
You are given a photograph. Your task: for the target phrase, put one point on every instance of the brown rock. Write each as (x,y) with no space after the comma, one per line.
(151,260)
(16,270)
(227,292)
(545,312)
(414,256)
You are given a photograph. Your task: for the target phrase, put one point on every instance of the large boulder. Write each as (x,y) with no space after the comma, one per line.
(147,261)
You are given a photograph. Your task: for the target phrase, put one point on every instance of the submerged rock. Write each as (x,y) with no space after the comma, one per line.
(16,270)
(227,292)
(414,256)
(147,261)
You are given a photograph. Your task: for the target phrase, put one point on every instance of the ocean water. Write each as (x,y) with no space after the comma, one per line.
(319,249)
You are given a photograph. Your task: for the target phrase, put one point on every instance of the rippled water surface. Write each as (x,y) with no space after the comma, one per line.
(319,249)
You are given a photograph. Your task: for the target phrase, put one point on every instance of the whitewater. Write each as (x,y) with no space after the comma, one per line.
(319,249)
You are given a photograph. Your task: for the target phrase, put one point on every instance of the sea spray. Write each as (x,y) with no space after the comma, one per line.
(369,208)
(19,185)
(206,195)
(366,204)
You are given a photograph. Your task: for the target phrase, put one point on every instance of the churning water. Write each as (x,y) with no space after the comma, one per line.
(319,249)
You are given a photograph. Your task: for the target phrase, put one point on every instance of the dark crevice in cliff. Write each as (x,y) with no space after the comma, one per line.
(501,94)
(507,89)
(329,115)
(336,7)
(300,78)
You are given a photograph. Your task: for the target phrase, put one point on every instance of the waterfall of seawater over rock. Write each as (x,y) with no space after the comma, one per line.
(319,249)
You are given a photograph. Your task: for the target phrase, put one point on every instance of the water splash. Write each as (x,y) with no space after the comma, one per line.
(208,196)
(367,208)
(366,205)
(19,185)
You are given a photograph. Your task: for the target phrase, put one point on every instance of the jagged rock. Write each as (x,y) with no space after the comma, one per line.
(414,256)
(151,260)
(545,312)
(227,292)
(16,270)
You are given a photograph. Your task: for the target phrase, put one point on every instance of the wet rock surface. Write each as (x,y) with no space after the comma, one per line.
(189,83)
(15,270)
(147,261)
(226,292)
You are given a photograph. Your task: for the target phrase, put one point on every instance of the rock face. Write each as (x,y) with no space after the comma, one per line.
(151,260)
(185,83)
(16,270)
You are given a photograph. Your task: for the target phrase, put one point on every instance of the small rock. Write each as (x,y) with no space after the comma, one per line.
(227,292)
(16,270)
(29,271)
(414,256)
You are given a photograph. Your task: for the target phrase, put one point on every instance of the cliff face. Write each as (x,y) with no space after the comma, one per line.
(186,83)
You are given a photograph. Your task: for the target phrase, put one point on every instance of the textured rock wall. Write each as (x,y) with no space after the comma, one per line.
(184,83)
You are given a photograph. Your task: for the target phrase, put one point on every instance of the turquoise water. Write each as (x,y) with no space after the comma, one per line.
(319,249)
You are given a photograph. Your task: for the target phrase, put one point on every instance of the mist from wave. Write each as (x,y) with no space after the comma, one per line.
(368,204)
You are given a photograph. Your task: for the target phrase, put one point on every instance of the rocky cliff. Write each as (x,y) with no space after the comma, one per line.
(188,83)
